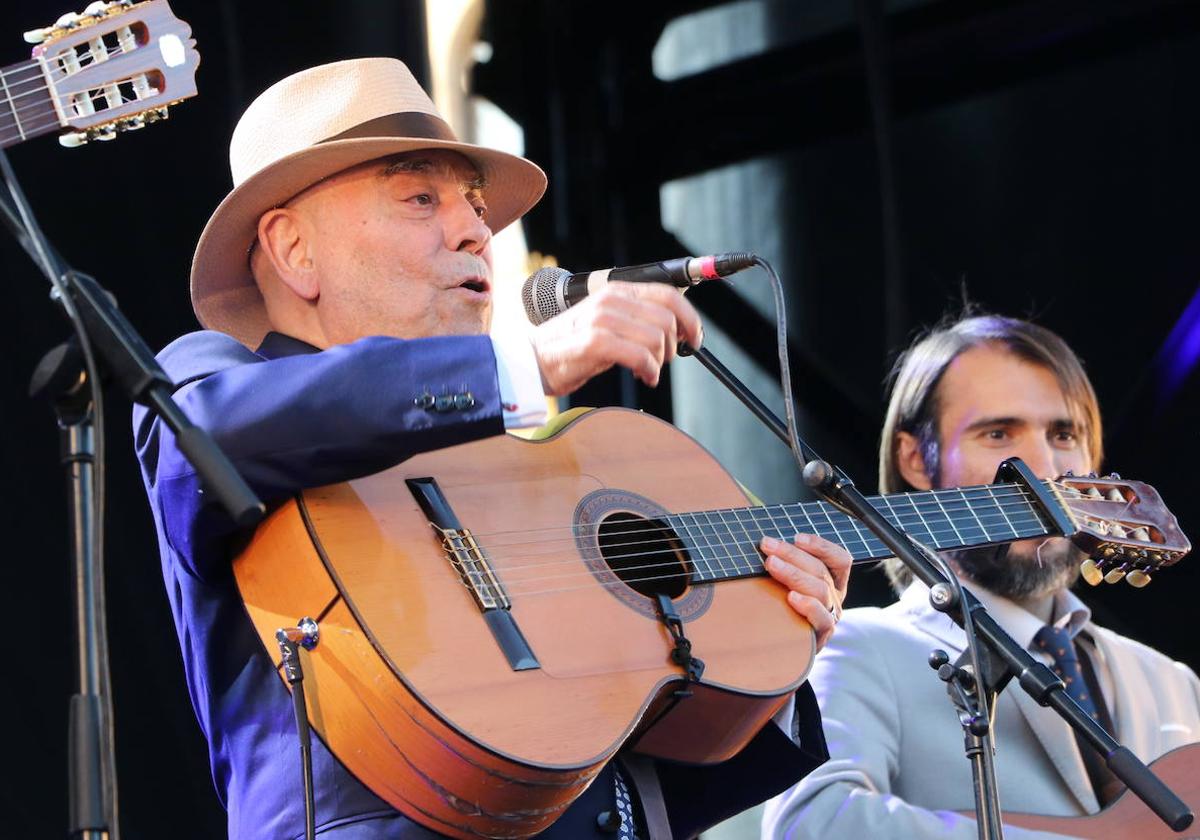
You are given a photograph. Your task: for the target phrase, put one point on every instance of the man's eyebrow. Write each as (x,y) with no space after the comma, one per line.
(475,183)
(987,422)
(1058,424)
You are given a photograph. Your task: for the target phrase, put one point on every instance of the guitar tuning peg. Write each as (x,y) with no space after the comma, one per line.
(96,9)
(1114,495)
(1118,531)
(1069,474)
(1093,493)
(73,140)
(1100,526)
(1141,534)
(1092,474)
(1114,575)
(36,36)
(1112,476)
(1137,578)
(68,21)
(1091,572)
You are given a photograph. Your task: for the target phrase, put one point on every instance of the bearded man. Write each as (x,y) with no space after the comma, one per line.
(965,397)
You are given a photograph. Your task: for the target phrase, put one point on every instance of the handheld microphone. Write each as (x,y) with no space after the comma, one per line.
(551,291)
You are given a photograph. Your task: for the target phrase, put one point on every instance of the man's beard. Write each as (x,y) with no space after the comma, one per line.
(1021,571)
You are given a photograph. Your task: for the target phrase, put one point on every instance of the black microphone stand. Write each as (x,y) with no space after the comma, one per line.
(70,375)
(1000,659)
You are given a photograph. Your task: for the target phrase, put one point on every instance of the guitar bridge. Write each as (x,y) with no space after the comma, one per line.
(476,573)
(473,567)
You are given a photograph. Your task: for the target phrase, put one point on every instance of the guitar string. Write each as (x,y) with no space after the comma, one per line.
(753,568)
(905,500)
(27,128)
(745,550)
(716,519)
(715,539)
(47,104)
(784,518)
(514,587)
(751,559)
(86,61)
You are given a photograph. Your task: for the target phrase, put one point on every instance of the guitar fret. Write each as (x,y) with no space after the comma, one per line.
(720,536)
(1000,507)
(751,543)
(720,532)
(866,547)
(949,518)
(832,527)
(812,529)
(971,510)
(12,106)
(699,549)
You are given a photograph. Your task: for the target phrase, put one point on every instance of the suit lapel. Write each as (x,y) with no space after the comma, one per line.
(1058,740)
(1052,732)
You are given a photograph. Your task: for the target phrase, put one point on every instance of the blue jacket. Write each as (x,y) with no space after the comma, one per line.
(291,418)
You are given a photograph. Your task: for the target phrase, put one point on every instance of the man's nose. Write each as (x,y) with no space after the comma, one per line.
(466,231)
(1039,457)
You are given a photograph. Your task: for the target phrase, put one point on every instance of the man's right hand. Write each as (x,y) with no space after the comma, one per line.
(635,325)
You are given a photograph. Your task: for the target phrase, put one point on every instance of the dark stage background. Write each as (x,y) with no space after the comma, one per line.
(1044,153)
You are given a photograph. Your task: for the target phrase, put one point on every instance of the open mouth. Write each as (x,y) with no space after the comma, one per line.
(475,285)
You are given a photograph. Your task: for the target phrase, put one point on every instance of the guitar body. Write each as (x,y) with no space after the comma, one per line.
(1128,816)
(409,687)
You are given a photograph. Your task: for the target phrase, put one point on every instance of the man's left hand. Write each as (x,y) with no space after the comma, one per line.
(816,573)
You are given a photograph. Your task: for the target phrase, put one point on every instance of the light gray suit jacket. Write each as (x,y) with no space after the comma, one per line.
(897,767)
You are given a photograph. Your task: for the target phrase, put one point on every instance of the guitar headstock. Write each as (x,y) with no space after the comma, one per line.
(1124,527)
(115,67)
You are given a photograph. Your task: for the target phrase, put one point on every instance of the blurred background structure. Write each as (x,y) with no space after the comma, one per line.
(1044,155)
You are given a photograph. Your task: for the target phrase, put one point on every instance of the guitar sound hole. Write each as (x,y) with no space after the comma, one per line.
(645,554)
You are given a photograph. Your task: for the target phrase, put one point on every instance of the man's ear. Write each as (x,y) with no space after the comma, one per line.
(910,461)
(284,240)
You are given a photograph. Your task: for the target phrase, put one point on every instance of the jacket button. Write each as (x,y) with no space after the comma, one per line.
(608,821)
(424,401)
(443,403)
(464,401)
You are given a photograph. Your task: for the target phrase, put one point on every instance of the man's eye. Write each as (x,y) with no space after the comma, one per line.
(997,434)
(1066,437)
(423,199)
(481,211)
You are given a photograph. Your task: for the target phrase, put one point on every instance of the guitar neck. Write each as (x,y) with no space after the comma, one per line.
(26,106)
(723,544)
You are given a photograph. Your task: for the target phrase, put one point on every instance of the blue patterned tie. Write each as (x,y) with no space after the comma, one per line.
(628,829)
(1057,642)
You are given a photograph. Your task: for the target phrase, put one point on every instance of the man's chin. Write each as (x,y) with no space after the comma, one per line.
(1023,570)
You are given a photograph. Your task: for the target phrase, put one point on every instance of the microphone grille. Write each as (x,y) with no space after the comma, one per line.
(540,294)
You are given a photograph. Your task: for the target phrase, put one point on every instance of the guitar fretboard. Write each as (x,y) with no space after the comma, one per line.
(723,544)
(26,107)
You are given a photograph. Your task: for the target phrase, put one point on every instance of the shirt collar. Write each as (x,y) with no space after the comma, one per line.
(277,345)
(1069,612)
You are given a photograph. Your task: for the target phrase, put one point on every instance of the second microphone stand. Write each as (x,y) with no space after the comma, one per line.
(1000,657)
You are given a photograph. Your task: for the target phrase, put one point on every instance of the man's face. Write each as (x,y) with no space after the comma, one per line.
(995,405)
(401,247)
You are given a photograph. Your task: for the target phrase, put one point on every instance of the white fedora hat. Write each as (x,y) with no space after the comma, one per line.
(305,128)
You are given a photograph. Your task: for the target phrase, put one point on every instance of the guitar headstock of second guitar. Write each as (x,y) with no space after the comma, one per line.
(1123,526)
(115,67)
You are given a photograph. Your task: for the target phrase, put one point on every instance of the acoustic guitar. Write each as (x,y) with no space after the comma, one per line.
(1127,816)
(116,67)
(497,619)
